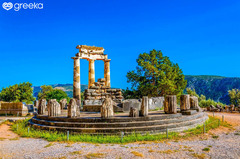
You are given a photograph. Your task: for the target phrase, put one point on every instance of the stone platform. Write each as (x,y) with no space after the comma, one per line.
(91,123)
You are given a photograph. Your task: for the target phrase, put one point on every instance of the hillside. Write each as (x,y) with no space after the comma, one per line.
(214,87)
(68,88)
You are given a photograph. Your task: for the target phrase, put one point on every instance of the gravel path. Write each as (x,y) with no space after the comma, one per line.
(226,145)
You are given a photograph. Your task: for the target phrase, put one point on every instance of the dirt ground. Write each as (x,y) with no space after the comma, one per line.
(218,143)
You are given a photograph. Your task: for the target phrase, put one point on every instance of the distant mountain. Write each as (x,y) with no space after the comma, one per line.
(214,87)
(68,88)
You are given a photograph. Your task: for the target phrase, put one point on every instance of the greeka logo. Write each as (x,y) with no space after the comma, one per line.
(18,6)
(7,6)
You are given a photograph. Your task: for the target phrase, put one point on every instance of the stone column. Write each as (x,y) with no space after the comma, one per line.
(170,104)
(76,79)
(91,73)
(107,72)
(72,108)
(184,102)
(144,106)
(194,103)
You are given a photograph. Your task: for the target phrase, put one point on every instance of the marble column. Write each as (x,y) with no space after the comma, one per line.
(107,72)
(76,79)
(91,73)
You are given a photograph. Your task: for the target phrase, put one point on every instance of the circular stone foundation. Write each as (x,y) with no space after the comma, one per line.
(92,123)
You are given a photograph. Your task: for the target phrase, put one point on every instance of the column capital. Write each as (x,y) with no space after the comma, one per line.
(76,58)
(107,60)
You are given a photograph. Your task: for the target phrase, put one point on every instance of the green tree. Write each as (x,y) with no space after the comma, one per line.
(57,94)
(22,92)
(156,75)
(234,96)
(44,92)
(48,92)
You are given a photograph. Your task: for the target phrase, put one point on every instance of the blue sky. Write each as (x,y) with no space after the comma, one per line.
(202,36)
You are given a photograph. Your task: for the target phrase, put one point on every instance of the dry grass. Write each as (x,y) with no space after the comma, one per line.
(199,156)
(95,155)
(16,138)
(137,153)
(2,138)
(166,151)
(151,151)
(76,153)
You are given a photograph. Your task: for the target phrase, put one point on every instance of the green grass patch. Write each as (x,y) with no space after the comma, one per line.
(48,145)
(207,149)
(22,130)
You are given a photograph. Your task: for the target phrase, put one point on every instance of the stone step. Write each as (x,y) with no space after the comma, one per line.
(119,124)
(156,116)
(141,129)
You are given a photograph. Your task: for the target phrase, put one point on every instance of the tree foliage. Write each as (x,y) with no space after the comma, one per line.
(234,95)
(156,75)
(48,92)
(22,92)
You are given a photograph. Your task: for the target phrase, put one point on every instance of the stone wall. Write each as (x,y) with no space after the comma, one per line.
(153,103)
(95,95)
(13,108)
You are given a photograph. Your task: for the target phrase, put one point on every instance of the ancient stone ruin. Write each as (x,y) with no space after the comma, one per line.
(54,108)
(135,117)
(63,103)
(144,106)
(42,106)
(170,104)
(72,108)
(107,108)
(134,112)
(13,108)
(97,91)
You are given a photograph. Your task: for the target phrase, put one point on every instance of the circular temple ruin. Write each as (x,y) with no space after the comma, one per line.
(104,111)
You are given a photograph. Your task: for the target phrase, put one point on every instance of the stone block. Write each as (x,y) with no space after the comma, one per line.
(90,90)
(155,103)
(188,112)
(127,104)
(133,112)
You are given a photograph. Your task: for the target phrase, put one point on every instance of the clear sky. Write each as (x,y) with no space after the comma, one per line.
(202,36)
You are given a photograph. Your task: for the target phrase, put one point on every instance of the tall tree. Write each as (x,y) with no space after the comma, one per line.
(22,92)
(156,75)
(234,95)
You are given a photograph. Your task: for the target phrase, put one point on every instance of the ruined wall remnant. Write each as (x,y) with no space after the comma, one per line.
(54,108)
